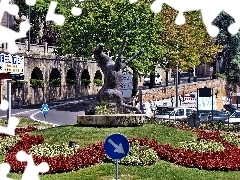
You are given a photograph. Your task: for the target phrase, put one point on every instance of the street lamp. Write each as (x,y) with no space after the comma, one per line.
(29,13)
(176,81)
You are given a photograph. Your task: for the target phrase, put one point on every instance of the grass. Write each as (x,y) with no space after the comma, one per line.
(161,171)
(24,122)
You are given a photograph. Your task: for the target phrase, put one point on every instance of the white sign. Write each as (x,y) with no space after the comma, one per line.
(11,64)
(126,85)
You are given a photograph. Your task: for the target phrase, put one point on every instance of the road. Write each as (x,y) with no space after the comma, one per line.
(61,112)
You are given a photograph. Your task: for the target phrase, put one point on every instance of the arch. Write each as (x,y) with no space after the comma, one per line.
(85,77)
(98,75)
(37,74)
(55,76)
(71,77)
(85,74)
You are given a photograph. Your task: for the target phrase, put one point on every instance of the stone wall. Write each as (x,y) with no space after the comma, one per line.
(47,93)
(168,92)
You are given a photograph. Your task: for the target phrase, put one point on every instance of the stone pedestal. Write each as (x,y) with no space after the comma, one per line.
(111,120)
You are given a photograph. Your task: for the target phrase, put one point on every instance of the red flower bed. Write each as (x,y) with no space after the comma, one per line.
(19,131)
(228,159)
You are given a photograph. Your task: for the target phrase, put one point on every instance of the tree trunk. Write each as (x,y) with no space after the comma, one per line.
(152,81)
(135,82)
(189,76)
(166,78)
(214,71)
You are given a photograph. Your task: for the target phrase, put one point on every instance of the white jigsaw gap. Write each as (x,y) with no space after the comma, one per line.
(4,105)
(7,35)
(30,2)
(76,11)
(10,129)
(51,16)
(31,171)
(4,170)
(210,10)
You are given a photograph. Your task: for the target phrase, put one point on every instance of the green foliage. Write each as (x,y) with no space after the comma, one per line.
(221,75)
(18,83)
(231,138)
(51,150)
(140,156)
(102,109)
(85,81)
(36,82)
(98,82)
(55,81)
(8,142)
(106,21)
(71,81)
(202,146)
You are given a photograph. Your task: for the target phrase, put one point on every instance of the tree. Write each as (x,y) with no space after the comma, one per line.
(187,45)
(231,48)
(106,21)
(41,31)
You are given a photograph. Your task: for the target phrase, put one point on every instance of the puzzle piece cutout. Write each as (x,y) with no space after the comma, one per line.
(210,10)
(4,170)
(12,121)
(7,35)
(58,18)
(31,171)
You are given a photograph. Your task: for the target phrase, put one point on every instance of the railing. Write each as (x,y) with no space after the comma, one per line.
(34,49)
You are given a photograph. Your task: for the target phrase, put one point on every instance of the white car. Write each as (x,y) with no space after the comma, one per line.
(234,118)
(178,113)
(158,80)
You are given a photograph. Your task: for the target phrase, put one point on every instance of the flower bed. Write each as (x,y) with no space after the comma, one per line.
(20,130)
(225,159)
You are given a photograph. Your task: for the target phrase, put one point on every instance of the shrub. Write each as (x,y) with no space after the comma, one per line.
(98,82)
(51,150)
(36,82)
(202,146)
(102,109)
(140,156)
(231,138)
(7,143)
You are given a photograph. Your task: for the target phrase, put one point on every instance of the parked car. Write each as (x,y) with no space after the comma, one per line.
(234,118)
(203,117)
(158,80)
(179,113)
(218,116)
(231,108)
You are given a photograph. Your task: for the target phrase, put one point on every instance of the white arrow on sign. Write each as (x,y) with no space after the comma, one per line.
(118,148)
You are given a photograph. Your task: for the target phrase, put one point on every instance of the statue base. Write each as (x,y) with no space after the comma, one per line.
(111,120)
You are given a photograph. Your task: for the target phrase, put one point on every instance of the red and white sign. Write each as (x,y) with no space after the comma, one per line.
(188,101)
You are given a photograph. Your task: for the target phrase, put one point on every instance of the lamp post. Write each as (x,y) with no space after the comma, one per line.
(29,13)
(176,81)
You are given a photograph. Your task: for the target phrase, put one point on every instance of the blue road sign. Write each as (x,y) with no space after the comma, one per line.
(116,146)
(45,109)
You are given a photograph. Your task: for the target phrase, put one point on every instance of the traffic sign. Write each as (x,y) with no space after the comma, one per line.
(45,109)
(11,63)
(5,76)
(116,146)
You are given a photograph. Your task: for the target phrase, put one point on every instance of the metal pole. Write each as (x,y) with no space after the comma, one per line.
(197,100)
(9,82)
(116,169)
(176,88)
(212,104)
(29,13)
(44,117)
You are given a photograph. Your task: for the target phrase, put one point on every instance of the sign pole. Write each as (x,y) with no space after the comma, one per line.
(116,169)
(44,117)
(9,82)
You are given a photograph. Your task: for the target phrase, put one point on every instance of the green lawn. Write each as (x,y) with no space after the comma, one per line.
(162,170)
(23,122)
